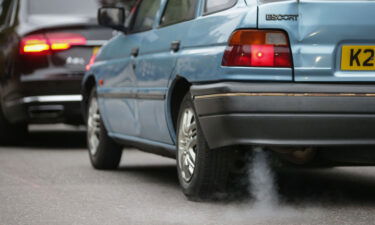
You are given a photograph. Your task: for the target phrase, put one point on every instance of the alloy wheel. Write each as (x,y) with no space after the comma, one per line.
(187,144)
(93,126)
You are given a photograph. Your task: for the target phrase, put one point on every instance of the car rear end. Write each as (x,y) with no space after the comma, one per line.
(321,56)
(57,40)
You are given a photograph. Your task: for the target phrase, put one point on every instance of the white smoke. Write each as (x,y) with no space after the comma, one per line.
(262,181)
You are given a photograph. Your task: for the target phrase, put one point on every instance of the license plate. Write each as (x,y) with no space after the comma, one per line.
(358,57)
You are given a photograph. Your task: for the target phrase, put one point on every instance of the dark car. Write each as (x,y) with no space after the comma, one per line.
(45,47)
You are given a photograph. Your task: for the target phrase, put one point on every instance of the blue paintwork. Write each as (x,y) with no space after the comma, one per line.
(316,40)
(155,65)
(322,28)
(119,76)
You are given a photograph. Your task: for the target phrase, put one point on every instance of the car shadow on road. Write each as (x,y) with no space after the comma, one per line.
(51,140)
(54,140)
(341,186)
(165,174)
(57,139)
(351,186)
(296,187)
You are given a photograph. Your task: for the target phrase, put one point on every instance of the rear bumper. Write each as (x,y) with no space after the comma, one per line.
(43,98)
(285,114)
(46,109)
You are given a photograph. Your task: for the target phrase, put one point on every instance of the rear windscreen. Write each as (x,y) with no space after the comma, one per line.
(64,7)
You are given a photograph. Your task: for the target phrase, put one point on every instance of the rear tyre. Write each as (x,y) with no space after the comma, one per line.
(11,134)
(203,173)
(105,153)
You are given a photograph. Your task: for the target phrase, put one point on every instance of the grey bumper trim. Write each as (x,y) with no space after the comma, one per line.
(52,98)
(95,42)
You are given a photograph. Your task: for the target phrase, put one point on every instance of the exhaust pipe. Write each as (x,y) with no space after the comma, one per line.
(299,156)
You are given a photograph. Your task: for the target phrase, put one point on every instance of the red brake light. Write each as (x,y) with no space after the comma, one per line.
(45,43)
(35,44)
(63,41)
(262,55)
(258,48)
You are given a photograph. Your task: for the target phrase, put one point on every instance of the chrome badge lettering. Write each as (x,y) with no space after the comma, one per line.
(75,61)
(280,17)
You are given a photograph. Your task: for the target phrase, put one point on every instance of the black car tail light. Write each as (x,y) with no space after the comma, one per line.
(46,43)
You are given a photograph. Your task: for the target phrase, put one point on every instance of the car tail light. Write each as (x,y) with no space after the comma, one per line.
(63,41)
(258,48)
(46,43)
(35,44)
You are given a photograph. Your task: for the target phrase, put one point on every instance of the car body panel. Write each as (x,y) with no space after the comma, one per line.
(203,51)
(119,85)
(319,33)
(135,95)
(186,62)
(154,67)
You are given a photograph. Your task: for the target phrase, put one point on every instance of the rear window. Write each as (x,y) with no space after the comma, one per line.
(178,11)
(146,15)
(64,7)
(218,5)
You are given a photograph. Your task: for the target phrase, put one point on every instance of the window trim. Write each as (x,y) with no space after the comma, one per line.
(132,23)
(130,20)
(182,21)
(219,8)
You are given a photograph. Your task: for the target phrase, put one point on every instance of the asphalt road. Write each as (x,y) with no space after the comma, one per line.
(50,181)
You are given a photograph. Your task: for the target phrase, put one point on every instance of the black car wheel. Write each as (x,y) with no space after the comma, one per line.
(12,133)
(202,172)
(104,152)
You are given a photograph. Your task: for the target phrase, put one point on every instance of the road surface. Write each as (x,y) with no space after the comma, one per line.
(50,181)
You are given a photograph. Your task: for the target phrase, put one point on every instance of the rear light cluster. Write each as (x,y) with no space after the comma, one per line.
(49,42)
(258,48)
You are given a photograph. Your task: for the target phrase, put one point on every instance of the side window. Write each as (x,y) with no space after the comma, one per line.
(218,5)
(178,11)
(145,16)
(4,8)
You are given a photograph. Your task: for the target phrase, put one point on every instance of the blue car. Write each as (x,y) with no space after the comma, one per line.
(197,80)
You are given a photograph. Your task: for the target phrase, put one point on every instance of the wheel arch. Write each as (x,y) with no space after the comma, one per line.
(88,84)
(177,91)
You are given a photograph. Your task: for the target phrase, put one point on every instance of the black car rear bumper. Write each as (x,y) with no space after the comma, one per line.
(51,98)
(285,114)
(45,109)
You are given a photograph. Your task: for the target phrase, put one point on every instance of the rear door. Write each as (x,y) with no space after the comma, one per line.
(119,91)
(158,53)
(332,41)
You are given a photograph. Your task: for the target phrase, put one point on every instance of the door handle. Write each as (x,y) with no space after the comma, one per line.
(175,46)
(134,52)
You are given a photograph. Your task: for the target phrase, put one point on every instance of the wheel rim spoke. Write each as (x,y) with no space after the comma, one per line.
(187,142)
(191,153)
(93,126)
